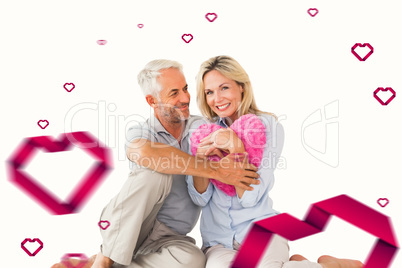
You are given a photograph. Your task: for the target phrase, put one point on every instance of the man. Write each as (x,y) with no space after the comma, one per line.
(152,214)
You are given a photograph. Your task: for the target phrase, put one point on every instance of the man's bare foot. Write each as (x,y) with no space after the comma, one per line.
(332,262)
(74,262)
(102,261)
(297,257)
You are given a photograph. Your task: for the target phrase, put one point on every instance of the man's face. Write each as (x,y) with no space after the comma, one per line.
(173,105)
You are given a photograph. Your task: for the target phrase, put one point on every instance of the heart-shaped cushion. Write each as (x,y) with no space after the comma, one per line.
(251,132)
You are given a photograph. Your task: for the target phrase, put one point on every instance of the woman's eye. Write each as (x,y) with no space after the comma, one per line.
(224,88)
(209,93)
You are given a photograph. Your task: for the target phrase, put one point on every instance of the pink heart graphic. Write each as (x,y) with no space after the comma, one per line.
(383,202)
(211,16)
(104,224)
(101,42)
(291,228)
(82,191)
(187,38)
(384,90)
(69,262)
(43,124)
(140,25)
(312,11)
(69,86)
(362,45)
(37,240)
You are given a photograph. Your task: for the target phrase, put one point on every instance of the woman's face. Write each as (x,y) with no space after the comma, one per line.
(223,95)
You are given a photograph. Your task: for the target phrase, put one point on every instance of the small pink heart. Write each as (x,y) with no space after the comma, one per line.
(211,16)
(69,86)
(361,46)
(383,202)
(187,38)
(74,260)
(378,98)
(312,11)
(104,224)
(101,42)
(140,25)
(39,248)
(43,124)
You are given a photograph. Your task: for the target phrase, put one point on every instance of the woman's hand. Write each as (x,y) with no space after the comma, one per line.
(224,139)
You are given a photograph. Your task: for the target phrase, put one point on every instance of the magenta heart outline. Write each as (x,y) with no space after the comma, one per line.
(82,257)
(381,199)
(140,25)
(81,192)
(211,14)
(67,84)
(40,121)
(291,228)
(362,45)
(312,9)
(384,89)
(185,35)
(31,241)
(100,224)
(101,43)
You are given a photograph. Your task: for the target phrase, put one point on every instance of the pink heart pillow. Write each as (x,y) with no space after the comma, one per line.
(249,129)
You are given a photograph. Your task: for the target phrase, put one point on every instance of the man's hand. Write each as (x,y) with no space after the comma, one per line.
(234,169)
(224,139)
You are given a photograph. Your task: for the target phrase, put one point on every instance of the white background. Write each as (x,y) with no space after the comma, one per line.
(298,64)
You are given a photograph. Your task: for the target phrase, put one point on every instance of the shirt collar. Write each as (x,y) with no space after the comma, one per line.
(221,121)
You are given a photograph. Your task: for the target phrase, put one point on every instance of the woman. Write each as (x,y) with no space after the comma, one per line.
(224,95)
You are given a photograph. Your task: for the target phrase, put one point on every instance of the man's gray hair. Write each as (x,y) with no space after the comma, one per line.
(147,78)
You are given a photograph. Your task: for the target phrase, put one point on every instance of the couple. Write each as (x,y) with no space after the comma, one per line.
(161,200)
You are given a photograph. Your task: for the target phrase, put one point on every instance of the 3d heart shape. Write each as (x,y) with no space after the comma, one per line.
(104,224)
(383,202)
(312,12)
(291,228)
(75,260)
(43,124)
(187,38)
(66,141)
(362,45)
(69,86)
(211,17)
(249,129)
(101,42)
(375,93)
(35,240)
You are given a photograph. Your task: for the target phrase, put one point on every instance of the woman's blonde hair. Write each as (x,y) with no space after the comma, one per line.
(230,68)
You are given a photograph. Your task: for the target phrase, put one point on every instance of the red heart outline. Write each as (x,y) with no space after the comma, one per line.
(362,45)
(315,221)
(31,241)
(67,84)
(384,89)
(100,224)
(383,205)
(211,14)
(140,25)
(66,141)
(40,121)
(312,9)
(83,260)
(185,35)
(100,42)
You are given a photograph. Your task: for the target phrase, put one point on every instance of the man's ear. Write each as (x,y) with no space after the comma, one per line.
(151,100)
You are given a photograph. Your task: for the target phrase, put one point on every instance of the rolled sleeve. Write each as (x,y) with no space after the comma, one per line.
(199,199)
(272,151)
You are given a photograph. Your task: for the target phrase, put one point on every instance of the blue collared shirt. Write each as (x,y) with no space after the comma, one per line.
(225,218)
(178,212)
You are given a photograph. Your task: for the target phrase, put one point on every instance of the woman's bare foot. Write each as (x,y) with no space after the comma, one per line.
(297,257)
(102,261)
(332,262)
